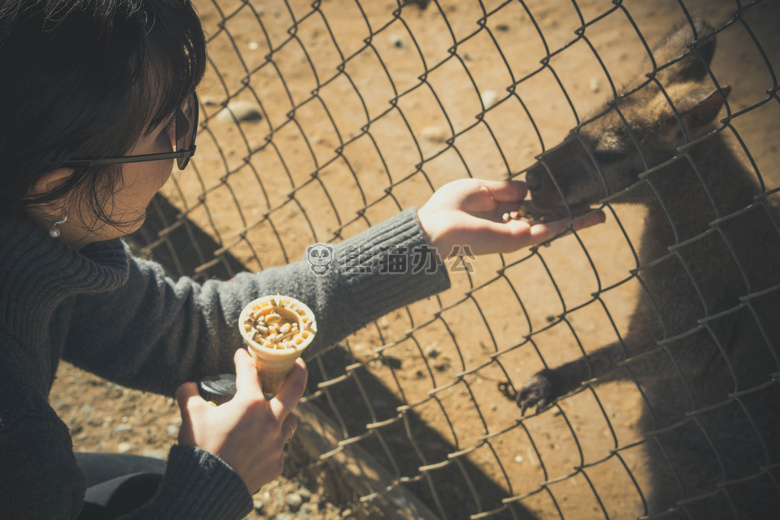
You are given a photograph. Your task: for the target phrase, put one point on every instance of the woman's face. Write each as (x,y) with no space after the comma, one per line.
(140,181)
(137,185)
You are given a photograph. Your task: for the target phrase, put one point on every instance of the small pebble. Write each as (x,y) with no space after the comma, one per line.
(294,501)
(489,98)
(210,101)
(435,134)
(155,454)
(239,111)
(432,351)
(442,365)
(398,41)
(259,505)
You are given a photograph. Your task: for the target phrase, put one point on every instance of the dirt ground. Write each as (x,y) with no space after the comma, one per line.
(341,146)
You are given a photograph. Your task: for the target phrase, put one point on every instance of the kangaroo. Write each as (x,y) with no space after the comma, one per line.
(703,344)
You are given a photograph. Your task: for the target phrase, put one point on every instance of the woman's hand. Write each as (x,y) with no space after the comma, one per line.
(467,212)
(248,432)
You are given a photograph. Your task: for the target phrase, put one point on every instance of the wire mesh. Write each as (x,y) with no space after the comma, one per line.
(322,118)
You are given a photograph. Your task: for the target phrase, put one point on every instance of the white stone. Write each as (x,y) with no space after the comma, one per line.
(435,134)
(489,98)
(240,111)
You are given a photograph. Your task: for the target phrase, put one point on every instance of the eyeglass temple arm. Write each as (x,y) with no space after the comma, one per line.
(105,161)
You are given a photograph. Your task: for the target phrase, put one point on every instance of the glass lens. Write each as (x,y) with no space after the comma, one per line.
(186,127)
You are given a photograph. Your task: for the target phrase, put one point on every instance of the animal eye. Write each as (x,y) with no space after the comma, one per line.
(607,156)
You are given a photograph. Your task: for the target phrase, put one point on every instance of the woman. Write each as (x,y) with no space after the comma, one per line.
(97,101)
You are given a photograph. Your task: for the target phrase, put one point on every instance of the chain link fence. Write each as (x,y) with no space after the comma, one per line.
(322,118)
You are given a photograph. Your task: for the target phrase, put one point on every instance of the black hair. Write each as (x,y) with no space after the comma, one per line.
(86,79)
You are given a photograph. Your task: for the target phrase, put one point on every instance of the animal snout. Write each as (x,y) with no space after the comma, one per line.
(543,192)
(534,179)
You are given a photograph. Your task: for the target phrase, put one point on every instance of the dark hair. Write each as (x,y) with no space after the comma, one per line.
(86,78)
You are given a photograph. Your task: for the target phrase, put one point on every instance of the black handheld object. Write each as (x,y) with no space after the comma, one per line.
(218,389)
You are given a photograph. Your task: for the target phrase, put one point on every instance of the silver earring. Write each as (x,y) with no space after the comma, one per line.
(54,232)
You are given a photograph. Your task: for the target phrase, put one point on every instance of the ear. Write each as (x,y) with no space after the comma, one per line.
(698,41)
(700,107)
(49,182)
(697,108)
(44,212)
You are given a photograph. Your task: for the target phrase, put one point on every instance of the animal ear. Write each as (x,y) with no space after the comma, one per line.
(697,40)
(697,108)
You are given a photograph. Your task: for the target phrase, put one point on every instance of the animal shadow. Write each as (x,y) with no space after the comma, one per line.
(704,338)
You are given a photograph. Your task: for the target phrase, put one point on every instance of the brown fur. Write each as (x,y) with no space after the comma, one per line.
(704,339)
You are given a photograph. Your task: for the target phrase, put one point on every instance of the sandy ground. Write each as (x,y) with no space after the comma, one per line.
(409,111)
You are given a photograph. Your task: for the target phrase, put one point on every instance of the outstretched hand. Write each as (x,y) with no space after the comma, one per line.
(249,431)
(467,212)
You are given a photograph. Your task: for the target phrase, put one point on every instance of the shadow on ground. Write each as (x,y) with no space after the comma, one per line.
(457,490)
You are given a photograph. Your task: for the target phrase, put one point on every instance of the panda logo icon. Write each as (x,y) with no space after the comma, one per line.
(319,257)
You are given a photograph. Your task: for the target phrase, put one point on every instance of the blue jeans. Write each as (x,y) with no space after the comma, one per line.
(117,484)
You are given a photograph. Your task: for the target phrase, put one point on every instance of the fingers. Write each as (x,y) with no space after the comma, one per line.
(248,432)
(506,191)
(492,195)
(247,378)
(591,220)
(486,236)
(189,401)
(289,426)
(187,396)
(542,232)
(288,396)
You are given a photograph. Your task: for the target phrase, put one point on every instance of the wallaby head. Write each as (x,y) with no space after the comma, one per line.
(623,149)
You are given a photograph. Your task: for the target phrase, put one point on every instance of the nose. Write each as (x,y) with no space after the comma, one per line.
(534,178)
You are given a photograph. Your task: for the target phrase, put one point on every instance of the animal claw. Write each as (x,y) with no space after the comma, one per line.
(538,392)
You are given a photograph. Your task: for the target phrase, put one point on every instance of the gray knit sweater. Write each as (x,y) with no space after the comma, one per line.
(121,318)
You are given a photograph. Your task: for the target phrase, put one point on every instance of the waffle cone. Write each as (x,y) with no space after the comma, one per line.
(275,360)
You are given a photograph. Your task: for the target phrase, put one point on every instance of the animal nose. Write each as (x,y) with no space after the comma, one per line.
(533,179)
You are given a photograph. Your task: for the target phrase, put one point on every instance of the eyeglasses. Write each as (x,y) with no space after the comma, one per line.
(186,122)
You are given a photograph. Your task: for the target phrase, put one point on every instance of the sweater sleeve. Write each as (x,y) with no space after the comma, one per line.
(155,333)
(197,486)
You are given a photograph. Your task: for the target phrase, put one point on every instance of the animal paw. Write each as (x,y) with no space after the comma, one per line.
(538,392)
